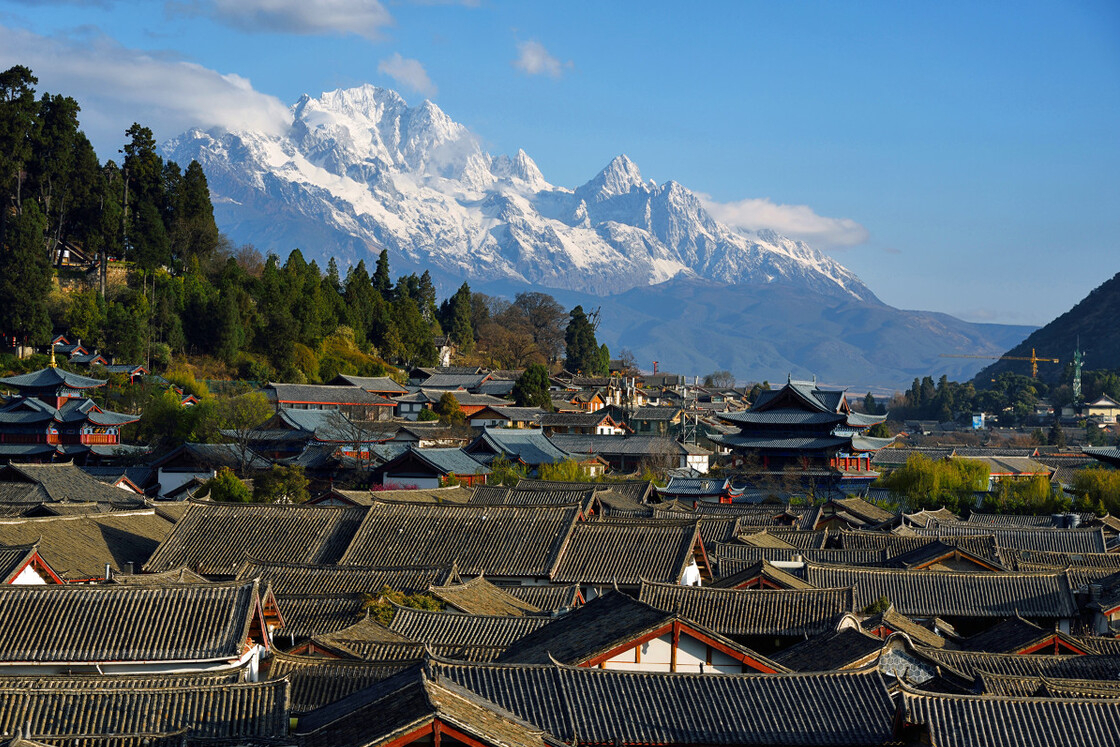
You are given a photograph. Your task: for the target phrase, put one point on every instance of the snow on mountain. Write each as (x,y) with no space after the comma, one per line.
(360,171)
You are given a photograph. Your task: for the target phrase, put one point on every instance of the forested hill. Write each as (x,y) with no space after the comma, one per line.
(1095,321)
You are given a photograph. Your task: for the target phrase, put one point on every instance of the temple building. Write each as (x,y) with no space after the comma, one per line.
(806,435)
(52,418)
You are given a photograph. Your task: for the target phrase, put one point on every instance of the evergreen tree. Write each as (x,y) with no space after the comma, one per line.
(194,232)
(18,121)
(455,318)
(604,366)
(426,300)
(382,282)
(582,352)
(531,388)
(870,406)
(359,297)
(25,277)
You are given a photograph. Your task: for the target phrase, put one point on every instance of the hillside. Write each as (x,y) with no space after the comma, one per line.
(1095,321)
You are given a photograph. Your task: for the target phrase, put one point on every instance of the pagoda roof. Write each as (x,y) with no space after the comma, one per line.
(46,378)
(781,417)
(802,443)
(801,394)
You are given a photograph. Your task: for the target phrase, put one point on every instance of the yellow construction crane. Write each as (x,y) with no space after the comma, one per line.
(1034,359)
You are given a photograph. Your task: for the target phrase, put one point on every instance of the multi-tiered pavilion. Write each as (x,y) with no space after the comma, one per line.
(52,417)
(807,434)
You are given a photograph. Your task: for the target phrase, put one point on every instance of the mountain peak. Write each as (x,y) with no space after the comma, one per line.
(620,177)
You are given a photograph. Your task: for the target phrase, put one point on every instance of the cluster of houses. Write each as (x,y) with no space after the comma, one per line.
(547,613)
(437,606)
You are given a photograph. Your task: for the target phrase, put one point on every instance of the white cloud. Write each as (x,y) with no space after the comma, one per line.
(117,86)
(322,17)
(534,59)
(794,221)
(408,73)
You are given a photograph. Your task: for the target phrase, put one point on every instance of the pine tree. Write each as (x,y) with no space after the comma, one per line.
(382,282)
(582,352)
(455,318)
(531,388)
(25,277)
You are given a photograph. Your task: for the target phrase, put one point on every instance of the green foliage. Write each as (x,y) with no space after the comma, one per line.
(224,487)
(925,483)
(568,470)
(286,484)
(1099,485)
(25,275)
(882,604)
(380,607)
(531,388)
(582,354)
(504,472)
(427,416)
(449,411)
(455,318)
(1032,495)
(879,430)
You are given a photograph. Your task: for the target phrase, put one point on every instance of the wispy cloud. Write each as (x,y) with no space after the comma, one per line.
(365,18)
(794,221)
(534,59)
(408,73)
(117,86)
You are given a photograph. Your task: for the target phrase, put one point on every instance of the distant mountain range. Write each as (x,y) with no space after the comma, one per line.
(1093,323)
(360,171)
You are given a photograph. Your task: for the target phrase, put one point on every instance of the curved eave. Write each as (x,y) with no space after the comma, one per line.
(868,443)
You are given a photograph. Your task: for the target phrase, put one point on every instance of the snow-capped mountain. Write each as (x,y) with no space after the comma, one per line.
(359,171)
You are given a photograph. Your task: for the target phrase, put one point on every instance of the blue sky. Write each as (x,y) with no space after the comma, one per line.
(959,156)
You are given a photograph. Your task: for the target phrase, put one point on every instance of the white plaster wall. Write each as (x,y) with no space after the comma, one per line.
(28,577)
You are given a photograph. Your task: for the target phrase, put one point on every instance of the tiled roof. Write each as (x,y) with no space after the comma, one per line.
(530,445)
(1051,540)
(869,512)
(841,649)
(1022,520)
(317,681)
(72,623)
(449,461)
(51,377)
(495,540)
(971,663)
(79,547)
(311,615)
(214,538)
(1046,687)
(959,720)
(736,612)
(1059,560)
(501,495)
(59,482)
(456,629)
(899,623)
(480,597)
(627,445)
(626,551)
(323,394)
(312,579)
(601,625)
(13,560)
(411,700)
(549,598)
(1046,595)
(90,716)
(731,577)
(380,384)
(604,706)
